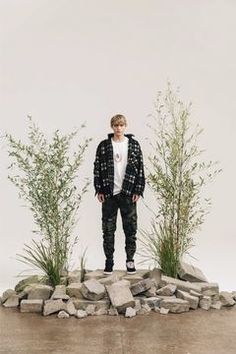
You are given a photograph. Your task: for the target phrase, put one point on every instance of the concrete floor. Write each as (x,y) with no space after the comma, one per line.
(195,332)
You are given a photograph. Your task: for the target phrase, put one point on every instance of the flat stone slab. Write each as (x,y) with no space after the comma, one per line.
(133,278)
(208,289)
(95,274)
(93,290)
(205,302)
(33,305)
(191,273)
(110,279)
(120,296)
(74,290)
(193,300)
(180,284)
(151,301)
(34,279)
(60,293)
(12,301)
(81,304)
(141,286)
(70,308)
(175,305)
(52,306)
(38,291)
(6,294)
(167,290)
(226,298)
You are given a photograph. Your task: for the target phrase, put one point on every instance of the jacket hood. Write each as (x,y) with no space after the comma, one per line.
(110,135)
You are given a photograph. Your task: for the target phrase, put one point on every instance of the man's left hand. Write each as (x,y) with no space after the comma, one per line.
(135,198)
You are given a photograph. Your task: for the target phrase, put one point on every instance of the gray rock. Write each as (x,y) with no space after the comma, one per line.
(155,275)
(110,279)
(120,296)
(74,277)
(74,290)
(205,302)
(112,311)
(151,301)
(12,301)
(81,314)
(164,311)
(217,305)
(70,308)
(150,292)
(145,310)
(226,298)
(208,289)
(195,293)
(63,314)
(93,290)
(215,298)
(191,273)
(193,300)
(233,294)
(175,305)
(81,304)
(166,297)
(7,293)
(95,274)
(101,311)
(167,290)
(34,305)
(133,278)
(33,279)
(52,306)
(130,312)
(38,291)
(60,293)
(180,284)
(90,309)
(138,305)
(141,286)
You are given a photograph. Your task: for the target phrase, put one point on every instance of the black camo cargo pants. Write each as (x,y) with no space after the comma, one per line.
(128,210)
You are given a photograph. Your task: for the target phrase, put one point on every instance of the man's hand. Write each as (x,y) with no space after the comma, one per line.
(100,197)
(135,198)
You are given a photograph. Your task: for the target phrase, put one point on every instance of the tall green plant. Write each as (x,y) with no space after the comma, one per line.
(45,173)
(177,177)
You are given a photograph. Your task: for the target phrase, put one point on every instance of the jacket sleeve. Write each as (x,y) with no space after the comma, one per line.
(97,180)
(140,179)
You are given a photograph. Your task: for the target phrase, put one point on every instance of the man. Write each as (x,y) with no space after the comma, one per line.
(119,182)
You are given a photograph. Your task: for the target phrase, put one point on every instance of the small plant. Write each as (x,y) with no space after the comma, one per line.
(82,265)
(176,177)
(45,174)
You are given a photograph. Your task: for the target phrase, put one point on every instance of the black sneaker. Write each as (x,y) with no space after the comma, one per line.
(108,267)
(130,267)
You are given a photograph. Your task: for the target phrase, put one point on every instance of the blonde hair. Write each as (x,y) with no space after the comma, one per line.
(118,118)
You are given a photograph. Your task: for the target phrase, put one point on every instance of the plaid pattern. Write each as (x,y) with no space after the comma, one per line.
(134,180)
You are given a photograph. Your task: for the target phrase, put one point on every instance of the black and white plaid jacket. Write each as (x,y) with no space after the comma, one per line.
(134,179)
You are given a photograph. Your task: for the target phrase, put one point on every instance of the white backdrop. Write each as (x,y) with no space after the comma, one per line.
(69,62)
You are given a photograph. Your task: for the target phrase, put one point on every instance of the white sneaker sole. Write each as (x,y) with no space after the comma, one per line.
(131,272)
(107,273)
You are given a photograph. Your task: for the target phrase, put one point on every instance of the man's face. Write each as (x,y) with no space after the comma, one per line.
(119,128)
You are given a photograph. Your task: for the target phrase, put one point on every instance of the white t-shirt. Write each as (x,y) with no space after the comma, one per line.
(120,156)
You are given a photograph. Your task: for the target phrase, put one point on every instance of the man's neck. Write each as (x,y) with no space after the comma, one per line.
(118,138)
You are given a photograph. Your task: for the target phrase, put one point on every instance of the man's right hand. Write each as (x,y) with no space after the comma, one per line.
(101,197)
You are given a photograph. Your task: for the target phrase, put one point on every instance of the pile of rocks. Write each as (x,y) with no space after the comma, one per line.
(119,293)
